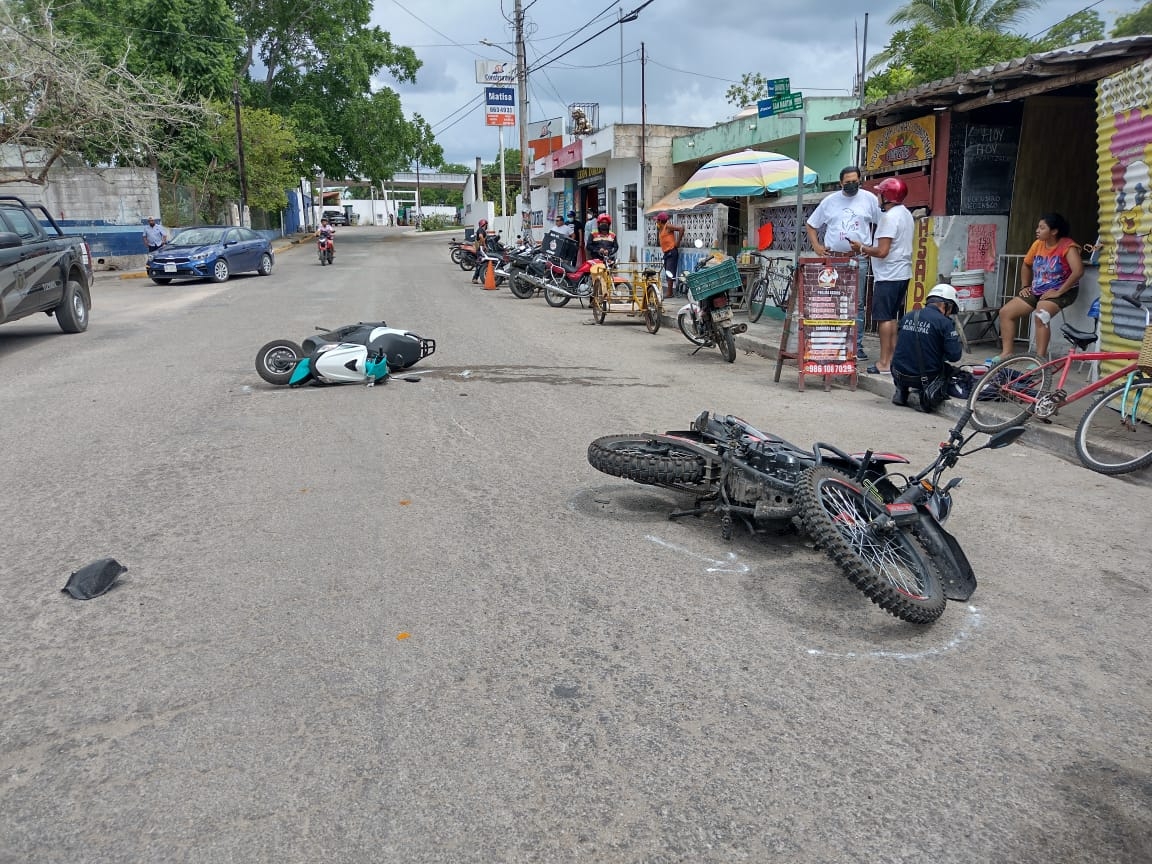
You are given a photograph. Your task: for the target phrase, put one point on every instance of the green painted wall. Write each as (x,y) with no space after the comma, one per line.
(828,144)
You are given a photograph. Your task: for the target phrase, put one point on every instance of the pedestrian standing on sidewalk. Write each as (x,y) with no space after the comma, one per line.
(670,237)
(892,266)
(850,214)
(155,235)
(480,241)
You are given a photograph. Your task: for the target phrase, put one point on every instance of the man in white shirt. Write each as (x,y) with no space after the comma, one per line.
(155,235)
(892,266)
(562,228)
(847,215)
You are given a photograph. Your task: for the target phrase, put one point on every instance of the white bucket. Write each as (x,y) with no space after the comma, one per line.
(969,285)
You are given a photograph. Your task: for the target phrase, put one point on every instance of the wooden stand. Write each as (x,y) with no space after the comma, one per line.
(822,307)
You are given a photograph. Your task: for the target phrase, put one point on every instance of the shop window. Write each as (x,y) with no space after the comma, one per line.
(629,219)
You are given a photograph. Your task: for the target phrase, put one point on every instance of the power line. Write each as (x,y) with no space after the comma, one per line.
(466,105)
(631,16)
(731,81)
(437,32)
(458,119)
(1073,15)
(581,29)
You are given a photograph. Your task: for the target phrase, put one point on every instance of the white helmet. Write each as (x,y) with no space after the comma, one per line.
(944,291)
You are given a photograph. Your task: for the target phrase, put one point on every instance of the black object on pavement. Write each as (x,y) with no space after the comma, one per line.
(94,579)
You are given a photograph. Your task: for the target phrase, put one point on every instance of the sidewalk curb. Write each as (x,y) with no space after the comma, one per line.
(1054,439)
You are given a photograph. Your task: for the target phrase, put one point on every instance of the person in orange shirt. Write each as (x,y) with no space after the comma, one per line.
(669,236)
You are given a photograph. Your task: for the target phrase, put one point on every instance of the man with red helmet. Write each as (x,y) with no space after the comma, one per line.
(891,267)
(669,236)
(603,243)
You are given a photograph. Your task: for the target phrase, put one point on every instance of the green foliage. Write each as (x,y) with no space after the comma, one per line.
(752,88)
(1080,27)
(1134,23)
(995,15)
(436,222)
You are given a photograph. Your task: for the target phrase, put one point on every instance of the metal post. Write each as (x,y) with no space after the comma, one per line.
(503,193)
(641,203)
(417,189)
(240,152)
(800,187)
(861,138)
(621,25)
(522,83)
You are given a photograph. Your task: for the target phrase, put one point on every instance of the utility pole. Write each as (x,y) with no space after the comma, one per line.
(643,133)
(240,151)
(522,83)
(621,12)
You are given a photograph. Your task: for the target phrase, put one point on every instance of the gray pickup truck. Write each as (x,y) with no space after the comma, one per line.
(41,268)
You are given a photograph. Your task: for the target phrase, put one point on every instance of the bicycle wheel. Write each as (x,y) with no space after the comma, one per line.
(1115,433)
(778,285)
(651,308)
(886,565)
(1007,393)
(757,297)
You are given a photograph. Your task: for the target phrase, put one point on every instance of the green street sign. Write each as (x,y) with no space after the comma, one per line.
(779,87)
(787,103)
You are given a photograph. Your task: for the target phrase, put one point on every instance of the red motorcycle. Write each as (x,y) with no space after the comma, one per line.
(325,250)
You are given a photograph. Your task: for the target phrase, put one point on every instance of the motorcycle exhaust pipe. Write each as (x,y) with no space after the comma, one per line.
(738,328)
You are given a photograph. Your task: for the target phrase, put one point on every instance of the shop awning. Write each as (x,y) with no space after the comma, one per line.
(673,203)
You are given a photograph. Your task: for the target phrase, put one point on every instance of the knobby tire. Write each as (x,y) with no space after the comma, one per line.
(644,459)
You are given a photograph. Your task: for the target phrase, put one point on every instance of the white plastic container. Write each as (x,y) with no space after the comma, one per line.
(969,285)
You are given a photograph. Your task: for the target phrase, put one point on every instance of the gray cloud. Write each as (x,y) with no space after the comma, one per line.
(813,44)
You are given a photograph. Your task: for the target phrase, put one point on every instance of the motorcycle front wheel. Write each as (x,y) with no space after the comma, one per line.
(521,289)
(645,459)
(555,299)
(688,328)
(276,360)
(886,565)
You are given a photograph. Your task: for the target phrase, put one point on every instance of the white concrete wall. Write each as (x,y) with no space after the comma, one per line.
(619,174)
(117,196)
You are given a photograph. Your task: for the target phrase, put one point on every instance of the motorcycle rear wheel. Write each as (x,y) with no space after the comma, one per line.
(727,345)
(887,567)
(276,361)
(555,299)
(644,459)
(455,255)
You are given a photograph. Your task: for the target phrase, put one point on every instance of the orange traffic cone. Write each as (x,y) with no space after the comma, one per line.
(490,277)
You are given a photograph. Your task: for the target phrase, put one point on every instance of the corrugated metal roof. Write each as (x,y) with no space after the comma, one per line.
(1010,73)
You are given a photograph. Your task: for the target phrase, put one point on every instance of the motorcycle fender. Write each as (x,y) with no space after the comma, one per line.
(301,373)
(689,441)
(344,363)
(956,574)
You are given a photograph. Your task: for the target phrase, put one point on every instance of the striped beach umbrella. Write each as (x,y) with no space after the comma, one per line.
(750,172)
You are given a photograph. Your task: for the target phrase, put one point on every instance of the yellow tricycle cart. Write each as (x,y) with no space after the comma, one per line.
(632,289)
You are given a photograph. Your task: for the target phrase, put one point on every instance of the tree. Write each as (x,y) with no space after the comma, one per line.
(58,99)
(996,15)
(1134,23)
(1079,27)
(490,178)
(269,146)
(752,88)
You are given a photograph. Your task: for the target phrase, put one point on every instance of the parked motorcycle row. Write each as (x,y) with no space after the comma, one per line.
(531,270)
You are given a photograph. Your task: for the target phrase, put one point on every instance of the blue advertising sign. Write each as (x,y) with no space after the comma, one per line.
(503,96)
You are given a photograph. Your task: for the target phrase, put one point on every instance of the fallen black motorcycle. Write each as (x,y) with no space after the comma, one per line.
(884,529)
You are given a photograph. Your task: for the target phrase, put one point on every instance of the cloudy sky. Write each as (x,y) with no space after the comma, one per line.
(696,49)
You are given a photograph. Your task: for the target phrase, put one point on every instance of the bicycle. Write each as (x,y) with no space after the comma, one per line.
(772,284)
(1115,434)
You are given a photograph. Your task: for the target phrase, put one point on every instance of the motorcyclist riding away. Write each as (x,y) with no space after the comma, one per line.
(603,243)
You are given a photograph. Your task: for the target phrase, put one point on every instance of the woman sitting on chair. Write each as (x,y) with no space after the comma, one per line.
(1049,282)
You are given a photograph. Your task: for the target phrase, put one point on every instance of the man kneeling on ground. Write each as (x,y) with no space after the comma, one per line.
(926,343)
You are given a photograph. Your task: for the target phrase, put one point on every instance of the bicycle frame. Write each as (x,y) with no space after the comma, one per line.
(1088,389)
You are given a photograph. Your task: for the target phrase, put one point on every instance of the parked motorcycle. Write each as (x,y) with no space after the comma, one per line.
(365,352)
(885,530)
(325,250)
(707,319)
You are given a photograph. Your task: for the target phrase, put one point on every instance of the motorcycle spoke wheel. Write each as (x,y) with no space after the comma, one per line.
(688,328)
(886,566)
(727,345)
(1115,433)
(652,309)
(555,299)
(1006,394)
(646,459)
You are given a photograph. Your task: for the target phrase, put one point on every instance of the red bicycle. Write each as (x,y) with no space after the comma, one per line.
(1114,435)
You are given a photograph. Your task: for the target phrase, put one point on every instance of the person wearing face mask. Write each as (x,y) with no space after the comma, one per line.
(844,216)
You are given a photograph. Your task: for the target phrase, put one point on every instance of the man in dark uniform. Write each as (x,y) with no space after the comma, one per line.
(926,343)
(603,243)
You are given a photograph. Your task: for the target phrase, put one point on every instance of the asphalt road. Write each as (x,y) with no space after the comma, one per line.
(412,623)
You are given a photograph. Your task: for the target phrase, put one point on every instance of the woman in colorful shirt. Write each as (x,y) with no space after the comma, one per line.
(1049,282)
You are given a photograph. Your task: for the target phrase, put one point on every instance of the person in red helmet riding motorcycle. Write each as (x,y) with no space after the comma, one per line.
(603,243)
(480,241)
(891,266)
(670,237)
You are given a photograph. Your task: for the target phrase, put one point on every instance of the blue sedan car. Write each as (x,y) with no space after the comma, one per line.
(210,252)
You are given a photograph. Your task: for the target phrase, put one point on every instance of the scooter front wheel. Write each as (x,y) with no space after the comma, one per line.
(276,361)
(886,564)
